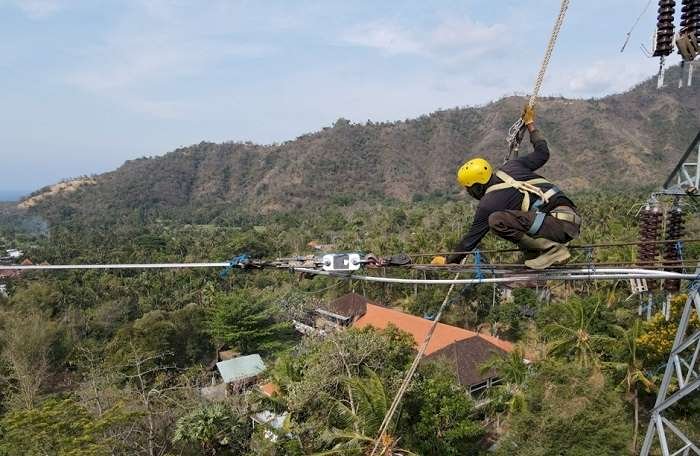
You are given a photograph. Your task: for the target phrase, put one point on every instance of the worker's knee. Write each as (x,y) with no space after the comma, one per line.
(498,220)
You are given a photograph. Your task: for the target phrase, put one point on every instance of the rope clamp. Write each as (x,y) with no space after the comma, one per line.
(240,261)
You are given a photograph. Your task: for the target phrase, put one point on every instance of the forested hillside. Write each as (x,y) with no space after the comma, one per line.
(115,362)
(616,141)
(124,362)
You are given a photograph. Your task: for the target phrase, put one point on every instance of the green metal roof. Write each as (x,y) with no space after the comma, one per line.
(240,368)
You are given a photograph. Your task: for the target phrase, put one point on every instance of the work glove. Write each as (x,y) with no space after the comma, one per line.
(528,115)
(439,261)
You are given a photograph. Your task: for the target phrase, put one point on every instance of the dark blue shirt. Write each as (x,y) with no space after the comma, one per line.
(521,169)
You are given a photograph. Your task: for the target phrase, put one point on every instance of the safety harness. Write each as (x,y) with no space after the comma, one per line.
(531,186)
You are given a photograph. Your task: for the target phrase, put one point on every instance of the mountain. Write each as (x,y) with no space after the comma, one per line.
(628,139)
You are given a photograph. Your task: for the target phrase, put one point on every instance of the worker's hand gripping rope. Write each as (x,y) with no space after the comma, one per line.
(517,131)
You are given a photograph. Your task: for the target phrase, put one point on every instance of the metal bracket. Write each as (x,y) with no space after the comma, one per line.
(341,262)
(685,178)
(638,286)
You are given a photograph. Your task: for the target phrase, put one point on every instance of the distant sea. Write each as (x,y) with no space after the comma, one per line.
(12,195)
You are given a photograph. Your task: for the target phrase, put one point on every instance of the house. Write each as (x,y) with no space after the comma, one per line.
(9,273)
(223,353)
(466,350)
(269,389)
(274,423)
(238,373)
(315,245)
(14,253)
(13,273)
(341,313)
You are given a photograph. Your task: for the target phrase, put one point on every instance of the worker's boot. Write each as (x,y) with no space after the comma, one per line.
(550,252)
(527,255)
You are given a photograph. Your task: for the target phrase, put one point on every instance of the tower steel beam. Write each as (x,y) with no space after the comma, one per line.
(682,372)
(685,177)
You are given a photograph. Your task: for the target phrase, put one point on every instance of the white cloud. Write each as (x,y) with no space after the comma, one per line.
(452,40)
(38,9)
(156,108)
(454,33)
(603,77)
(155,44)
(386,37)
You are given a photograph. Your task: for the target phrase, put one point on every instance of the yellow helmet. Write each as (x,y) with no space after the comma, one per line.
(475,171)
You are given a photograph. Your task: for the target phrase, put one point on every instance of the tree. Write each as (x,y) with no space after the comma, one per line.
(37,295)
(247,322)
(60,427)
(357,425)
(215,429)
(28,339)
(321,372)
(181,334)
(508,317)
(509,395)
(437,416)
(656,339)
(572,335)
(634,373)
(568,410)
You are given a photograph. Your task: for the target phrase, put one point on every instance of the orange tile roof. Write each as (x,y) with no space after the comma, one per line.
(445,335)
(269,389)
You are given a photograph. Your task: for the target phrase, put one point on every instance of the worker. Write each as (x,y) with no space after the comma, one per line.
(519,205)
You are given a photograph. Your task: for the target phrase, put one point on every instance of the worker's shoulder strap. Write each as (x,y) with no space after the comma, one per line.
(524,187)
(509,182)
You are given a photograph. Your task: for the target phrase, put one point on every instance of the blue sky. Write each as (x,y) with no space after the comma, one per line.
(86,85)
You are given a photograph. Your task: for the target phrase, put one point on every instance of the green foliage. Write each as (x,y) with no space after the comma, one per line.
(573,334)
(356,421)
(656,340)
(215,429)
(180,335)
(247,322)
(509,318)
(320,375)
(134,318)
(569,410)
(370,403)
(438,415)
(37,294)
(60,427)
(30,348)
(514,372)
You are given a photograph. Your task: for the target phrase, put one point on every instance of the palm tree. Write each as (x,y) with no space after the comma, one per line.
(357,426)
(514,371)
(634,373)
(572,336)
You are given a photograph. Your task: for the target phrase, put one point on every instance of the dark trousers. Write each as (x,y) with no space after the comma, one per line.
(512,225)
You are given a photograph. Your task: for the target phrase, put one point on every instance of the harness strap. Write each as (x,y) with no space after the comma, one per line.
(524,187)
(547,195)
(537,223)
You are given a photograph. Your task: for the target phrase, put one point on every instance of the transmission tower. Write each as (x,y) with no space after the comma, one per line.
(682,371)
(685,178)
